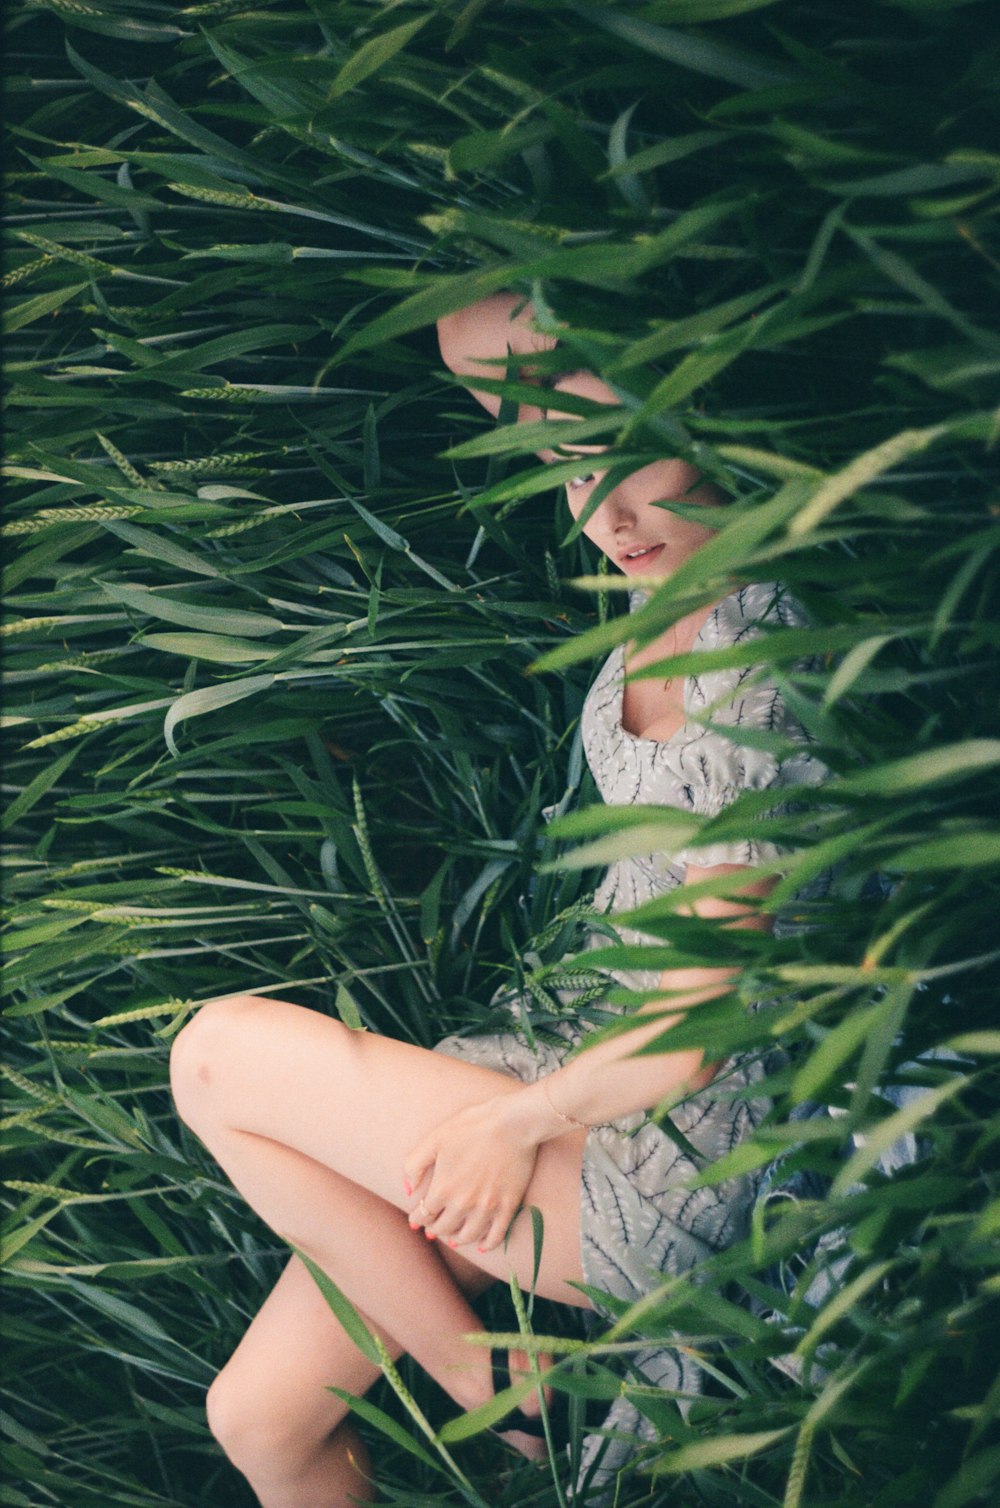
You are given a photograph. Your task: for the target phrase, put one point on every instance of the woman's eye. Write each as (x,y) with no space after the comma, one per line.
(581,481)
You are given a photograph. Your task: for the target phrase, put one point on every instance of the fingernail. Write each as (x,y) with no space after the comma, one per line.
(481,1250)
(430,1235)
(412,1225)
(452,1243)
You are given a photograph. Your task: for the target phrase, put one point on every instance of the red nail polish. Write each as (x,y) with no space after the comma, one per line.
(412,1225)
(481,1250)
(453,1243)
(430,1235)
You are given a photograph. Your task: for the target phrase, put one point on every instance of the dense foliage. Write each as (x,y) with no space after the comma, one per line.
(273,586)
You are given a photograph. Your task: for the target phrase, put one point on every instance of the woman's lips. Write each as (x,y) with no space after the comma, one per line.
(633,564)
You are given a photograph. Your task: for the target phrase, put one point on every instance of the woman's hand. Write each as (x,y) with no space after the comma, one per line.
(467,1178)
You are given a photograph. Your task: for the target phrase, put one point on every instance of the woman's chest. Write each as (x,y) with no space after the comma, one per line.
(630,767)
(653,708)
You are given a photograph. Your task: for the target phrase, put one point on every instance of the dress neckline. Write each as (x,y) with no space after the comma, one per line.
(730,616)
(638,600)
(618,707)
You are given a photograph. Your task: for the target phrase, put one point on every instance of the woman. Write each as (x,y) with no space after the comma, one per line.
(400,1171)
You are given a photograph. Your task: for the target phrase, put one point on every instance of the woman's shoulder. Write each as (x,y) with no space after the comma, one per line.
(739,693)
(744,612)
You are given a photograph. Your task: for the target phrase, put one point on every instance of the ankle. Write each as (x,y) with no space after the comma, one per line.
(520,1368)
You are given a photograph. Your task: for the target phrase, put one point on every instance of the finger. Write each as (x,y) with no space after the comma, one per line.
(447,1222)
(417,1165)
(470,1232)
(434,1211)
(424,1208)
(478,1230)
(423,1218)
(497,1231)
(421,1213)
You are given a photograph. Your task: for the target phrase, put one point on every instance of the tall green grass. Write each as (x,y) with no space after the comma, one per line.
(274,588)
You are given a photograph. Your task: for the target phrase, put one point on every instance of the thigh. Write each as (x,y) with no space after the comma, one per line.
(358,1102)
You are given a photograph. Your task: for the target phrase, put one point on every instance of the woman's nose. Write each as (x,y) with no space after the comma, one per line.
(620,513)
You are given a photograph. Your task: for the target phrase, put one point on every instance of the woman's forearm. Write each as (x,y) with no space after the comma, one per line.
(476,341)
(608,1080)
(479,340)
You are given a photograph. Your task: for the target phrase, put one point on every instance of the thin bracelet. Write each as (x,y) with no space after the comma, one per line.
(570,1120)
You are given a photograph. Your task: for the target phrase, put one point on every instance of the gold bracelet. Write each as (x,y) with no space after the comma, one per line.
(570,1120)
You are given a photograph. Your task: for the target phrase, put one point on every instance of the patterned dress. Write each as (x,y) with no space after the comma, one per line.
(639,1221)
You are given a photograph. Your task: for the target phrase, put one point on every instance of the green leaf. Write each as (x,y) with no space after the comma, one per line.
(665,152)
(484,149)
(973,1478)
(474,1421)
(220,648)
(342,1309)
(386,1425)
(879,1139)
(681,12)
(192,615)
(211,699)
(902,272)
(694,370)
(373,55)
(382,531)
(156,547)
(347,1009)
(918,771)
(647,838)
(430,304)
(921,178)
(716,1452)
(701,54)
(975,1042)
(30,309)
(853,665)
(844,1301)
(691,330)
(38,787)
(861,471)
(969,850)
(834,1050)
(12,1243)
(282,96)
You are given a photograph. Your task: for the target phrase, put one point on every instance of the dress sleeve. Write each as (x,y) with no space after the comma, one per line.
(719,768)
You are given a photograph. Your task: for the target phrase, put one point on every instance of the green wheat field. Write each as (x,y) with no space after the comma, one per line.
(296,640)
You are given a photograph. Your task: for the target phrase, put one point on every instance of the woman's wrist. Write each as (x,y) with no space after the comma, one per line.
(532,1114)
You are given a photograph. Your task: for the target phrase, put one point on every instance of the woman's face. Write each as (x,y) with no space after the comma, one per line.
(638,537)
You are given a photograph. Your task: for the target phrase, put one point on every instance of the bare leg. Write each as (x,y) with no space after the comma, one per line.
(311,1123)
(271,1410)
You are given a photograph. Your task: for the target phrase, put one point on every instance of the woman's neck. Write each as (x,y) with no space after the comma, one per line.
(653,708)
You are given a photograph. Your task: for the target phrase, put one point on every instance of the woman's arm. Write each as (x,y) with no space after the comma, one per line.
(467,1178)
(479,341)
(475,342)
(608,1081)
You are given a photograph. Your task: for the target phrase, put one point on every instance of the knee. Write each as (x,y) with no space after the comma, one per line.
(229,1418)
(266,1435)
(245,1427)
(204,1047)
